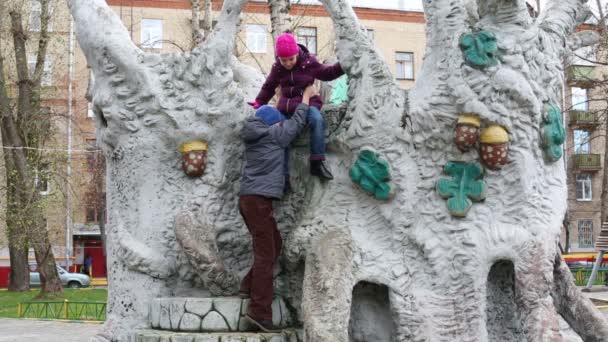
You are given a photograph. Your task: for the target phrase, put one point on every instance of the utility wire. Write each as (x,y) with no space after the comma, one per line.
(47,149)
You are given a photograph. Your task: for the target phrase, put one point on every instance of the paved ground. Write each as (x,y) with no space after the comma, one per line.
(598,293)
(19,330)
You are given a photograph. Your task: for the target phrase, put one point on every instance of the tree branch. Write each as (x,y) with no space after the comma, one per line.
(42,43)
(24,82)
(228,22)
(561,16)
(197,35)
(10,132)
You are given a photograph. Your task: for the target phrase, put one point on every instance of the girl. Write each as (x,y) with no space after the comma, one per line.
(294,70)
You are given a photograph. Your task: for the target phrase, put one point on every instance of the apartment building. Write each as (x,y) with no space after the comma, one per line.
(584,150)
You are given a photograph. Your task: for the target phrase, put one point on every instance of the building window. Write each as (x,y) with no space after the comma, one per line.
(581,141)
(90,112)
(92,152)
(583,187)
(95,207)
(370,34)
(585,234)
(256,38)
(405,65)
(579,99)
(585,56)
(307,36)
(36,15)
(42,179)
(47,72)
(151,34)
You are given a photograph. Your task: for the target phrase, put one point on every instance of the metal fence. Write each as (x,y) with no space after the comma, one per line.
(581,275)
(82,311)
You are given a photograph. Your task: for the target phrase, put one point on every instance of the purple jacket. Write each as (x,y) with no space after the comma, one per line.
(294,81)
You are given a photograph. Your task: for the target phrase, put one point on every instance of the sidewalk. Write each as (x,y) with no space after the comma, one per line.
(26,330)
(598,293)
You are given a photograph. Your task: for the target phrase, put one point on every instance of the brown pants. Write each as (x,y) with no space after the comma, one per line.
(267,243)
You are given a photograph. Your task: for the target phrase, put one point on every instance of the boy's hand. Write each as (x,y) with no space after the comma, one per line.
(309,92)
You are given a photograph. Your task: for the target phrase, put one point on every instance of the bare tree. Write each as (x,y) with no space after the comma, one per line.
(207,23)
(197,34)
(202,21)
(279,16)
(25,128)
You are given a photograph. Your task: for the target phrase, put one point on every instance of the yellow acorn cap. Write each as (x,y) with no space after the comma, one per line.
(469,119)
(494,134)
(193,146)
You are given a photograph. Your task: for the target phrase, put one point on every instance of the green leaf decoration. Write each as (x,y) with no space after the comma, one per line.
(467,185)
(339,92)
(372,174)
(554,133)
(479,49)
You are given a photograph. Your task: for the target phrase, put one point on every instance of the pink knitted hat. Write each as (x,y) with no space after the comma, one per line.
(287,45)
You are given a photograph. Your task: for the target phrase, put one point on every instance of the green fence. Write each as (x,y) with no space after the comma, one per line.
(582,274)
(82,311)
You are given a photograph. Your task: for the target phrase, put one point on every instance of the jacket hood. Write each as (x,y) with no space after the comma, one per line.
(254,128)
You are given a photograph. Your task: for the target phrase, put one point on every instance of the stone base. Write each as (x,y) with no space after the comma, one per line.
(168,336)
(218,314)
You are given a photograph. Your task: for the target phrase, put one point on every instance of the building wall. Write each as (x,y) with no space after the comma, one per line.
(401,32)
(577,209)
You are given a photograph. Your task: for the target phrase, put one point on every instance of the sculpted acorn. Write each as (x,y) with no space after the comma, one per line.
(194,154)
(494,147)
(466,133)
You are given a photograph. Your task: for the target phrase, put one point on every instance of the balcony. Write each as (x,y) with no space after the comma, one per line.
(587,162)
(583,119)
(582,76)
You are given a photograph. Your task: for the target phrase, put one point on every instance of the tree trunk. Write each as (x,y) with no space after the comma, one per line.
(19,277)
(207,24)
(25,130)
(197,34)
(279,17)
(100,200)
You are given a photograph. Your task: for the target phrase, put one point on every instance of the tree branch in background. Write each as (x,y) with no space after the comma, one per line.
(43,43)
(197,34)
(280,19)
(207,24)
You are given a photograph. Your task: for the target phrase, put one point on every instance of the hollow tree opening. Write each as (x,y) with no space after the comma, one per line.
(501,312)
(370,318)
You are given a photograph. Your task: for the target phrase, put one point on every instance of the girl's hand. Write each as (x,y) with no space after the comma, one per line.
(309,92)
(254,104)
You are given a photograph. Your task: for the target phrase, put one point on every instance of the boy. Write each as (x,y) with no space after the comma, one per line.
(266,136)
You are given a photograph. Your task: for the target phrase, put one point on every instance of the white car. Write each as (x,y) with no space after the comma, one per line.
(71,280)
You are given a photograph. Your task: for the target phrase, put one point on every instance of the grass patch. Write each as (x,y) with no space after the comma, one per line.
(9,301)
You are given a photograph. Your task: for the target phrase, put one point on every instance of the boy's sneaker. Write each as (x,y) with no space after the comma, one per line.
(318,168)
(264,325)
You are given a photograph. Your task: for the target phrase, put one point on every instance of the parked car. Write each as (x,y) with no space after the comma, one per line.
(71,280)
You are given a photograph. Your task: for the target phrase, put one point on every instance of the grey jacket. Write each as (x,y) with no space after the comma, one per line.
(265,153)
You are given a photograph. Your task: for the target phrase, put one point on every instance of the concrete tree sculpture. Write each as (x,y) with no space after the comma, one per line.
(403,263)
